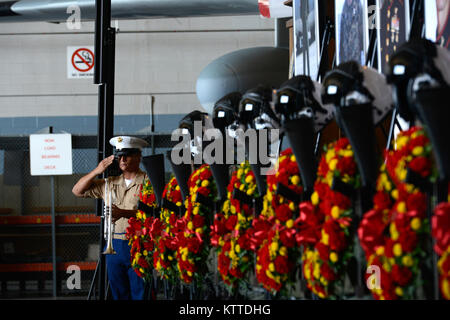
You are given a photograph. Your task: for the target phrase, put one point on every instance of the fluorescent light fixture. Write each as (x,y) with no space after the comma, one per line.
(184,131)
(399,70)
(248,107)
(332,90)
(221,114)
(284,99)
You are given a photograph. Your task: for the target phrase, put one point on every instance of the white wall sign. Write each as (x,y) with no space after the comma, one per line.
(50,154)
(80,62)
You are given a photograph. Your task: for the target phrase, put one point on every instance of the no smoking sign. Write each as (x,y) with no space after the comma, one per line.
(80,62)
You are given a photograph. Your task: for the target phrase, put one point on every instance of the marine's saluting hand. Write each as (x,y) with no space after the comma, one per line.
(104,164)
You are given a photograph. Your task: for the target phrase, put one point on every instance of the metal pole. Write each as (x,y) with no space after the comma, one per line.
(104,77)
(153,124)
(52,187)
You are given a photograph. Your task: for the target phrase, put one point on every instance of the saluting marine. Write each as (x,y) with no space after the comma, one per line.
(124,282)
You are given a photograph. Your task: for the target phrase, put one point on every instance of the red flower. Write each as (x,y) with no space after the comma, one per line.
(194,245)
(441,227)
(324,251)
(287,237)
(421,165)
(401,275)
(370,231)
(283,213)
(198,221)
(346,165)
(337,238)
(408,240)
(417,201)
(327,272)
(231,222)
(282,264)
(382,201)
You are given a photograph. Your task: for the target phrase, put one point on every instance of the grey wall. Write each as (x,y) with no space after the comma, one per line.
(160,57)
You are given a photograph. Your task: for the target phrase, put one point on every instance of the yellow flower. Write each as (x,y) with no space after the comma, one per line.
(394,194)
(295,180)
(333,164)
(417,151)
(316,271)
(196,210)
(241,217)
(145,253)
(309,254)
(233,209)
(393,231)
(407,261)
(330,155)
(399,291)
(335,212)
(402,174)
(290,223)
(293,158)
(401,142)
(239,173)
(334,257)
(205,183)
(272,267)
(397,249)
(269,274)
(237,248)
(446,288)
(292,206)
(190,225)
(416,224)
(325,238)
(249,179)
(348,153)
(250,191)
(274,246)
(199,230)
(283,251)
(315,198)
(380,251)
(401,207)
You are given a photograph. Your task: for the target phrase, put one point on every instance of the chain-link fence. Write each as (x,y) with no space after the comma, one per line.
(26,224)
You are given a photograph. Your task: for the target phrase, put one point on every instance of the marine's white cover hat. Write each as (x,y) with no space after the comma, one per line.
(127,142)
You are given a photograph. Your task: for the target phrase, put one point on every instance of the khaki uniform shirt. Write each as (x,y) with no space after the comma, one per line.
(122,196)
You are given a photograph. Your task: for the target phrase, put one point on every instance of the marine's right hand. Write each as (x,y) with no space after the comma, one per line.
(105,163)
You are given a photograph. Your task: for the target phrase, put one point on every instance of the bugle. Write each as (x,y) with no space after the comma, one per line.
(108,229)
